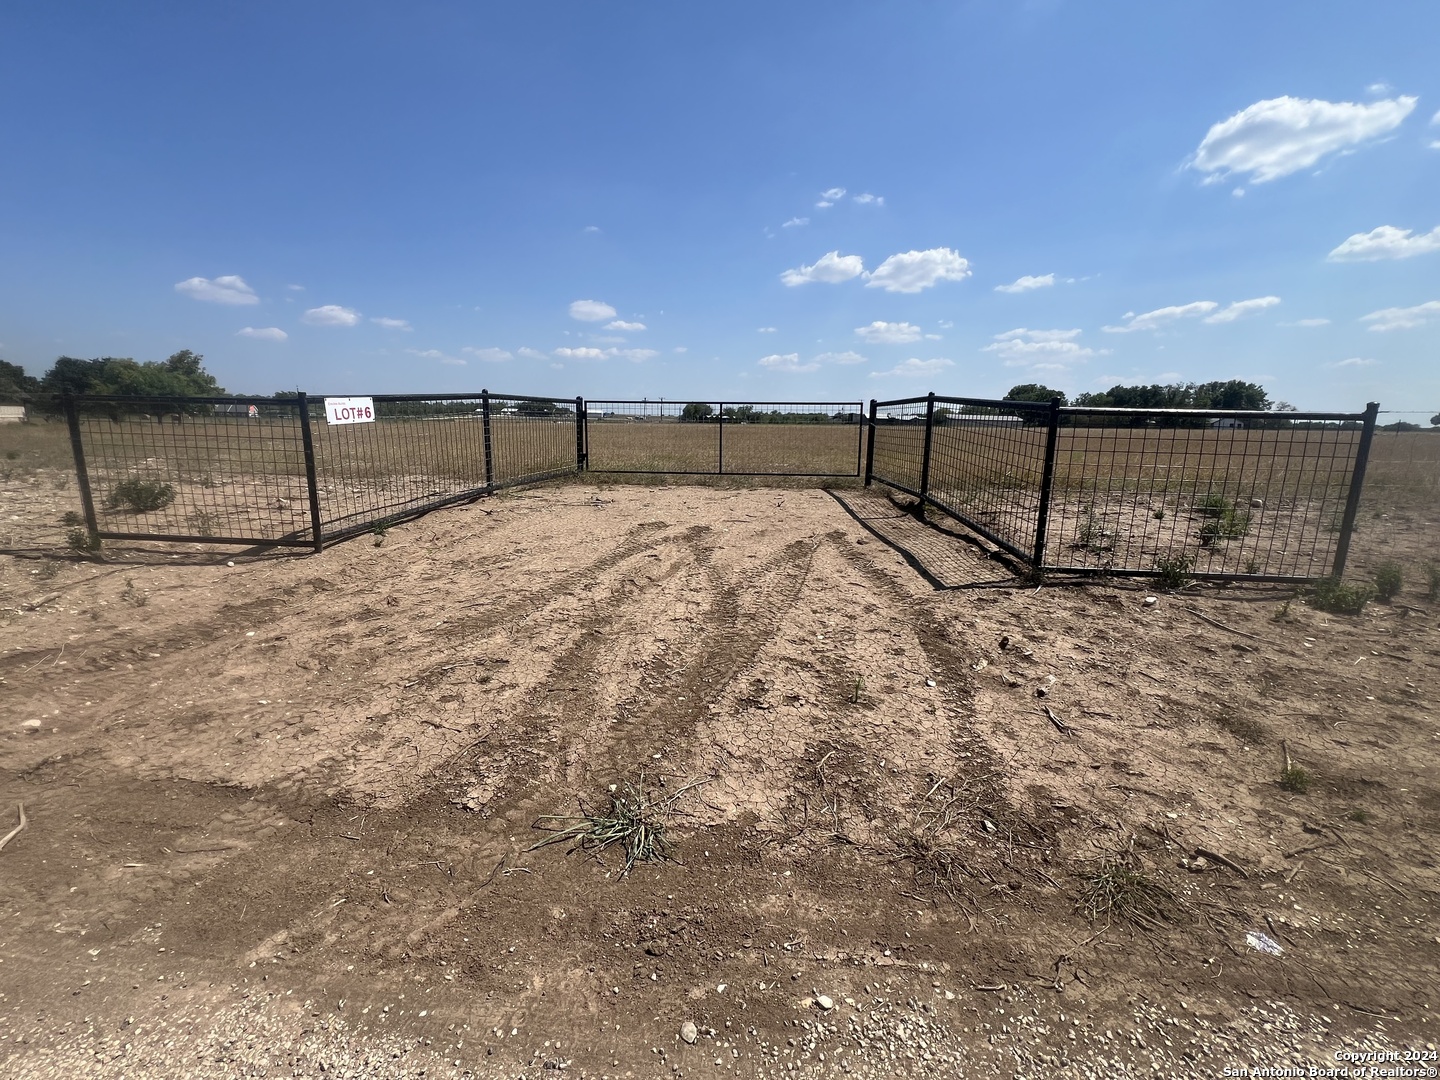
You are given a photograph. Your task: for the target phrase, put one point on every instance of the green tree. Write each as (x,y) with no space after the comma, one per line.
(1034,392)
(1435,420)
(697,412)
(1232,394)
(15,386)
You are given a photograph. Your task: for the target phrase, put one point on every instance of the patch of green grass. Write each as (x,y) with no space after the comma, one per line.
(635,823)
(1158,513)
(71,518)
(1214,505)
(133,596)
(1360,817)
(1296,779)
(1252,566)
(1389,579)
(140,494)
(204,522)
(1119,889)
(1172,570)
(1282,613)
(1338,598)
(81,540)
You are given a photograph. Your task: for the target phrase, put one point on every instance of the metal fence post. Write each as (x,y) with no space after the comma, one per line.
(1047,481)
(870,445)
(925,454)
(312,482)
(485,438)
(1357,481)
(582,427)
(82,474)
(720,441)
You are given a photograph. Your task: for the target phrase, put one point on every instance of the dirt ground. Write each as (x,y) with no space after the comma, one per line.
(281,807)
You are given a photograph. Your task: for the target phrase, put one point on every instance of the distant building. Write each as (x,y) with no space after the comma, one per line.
(12,414)
(1226,422)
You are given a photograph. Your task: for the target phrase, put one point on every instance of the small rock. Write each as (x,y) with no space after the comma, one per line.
(929,682)
(1257,504)
(282,504)
(1151,601)
(825,1001)
(988,825)
(31,725)
(689,1032)
(230,563)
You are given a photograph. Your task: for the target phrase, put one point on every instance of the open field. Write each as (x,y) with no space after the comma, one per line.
(646,444)
(280,813)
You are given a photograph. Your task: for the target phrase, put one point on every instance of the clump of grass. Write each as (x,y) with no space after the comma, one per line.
(1158,513)
(1119,889)
(1243,728)
(380,531)
(1295,778)
(1252,566)
(1214,505)
(1172,570)
(81,540)
(1389,578)
(133,596)
(1282,613)
(12,455)
(204,522)
(140,495)
(1432,571)
(936,866)
(857,690)
(635,822)
(1092,535)
(48,569)
(1338,598)
(1360,817)
(71,518)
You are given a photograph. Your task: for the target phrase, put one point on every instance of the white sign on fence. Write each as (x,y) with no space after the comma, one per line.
(350,410)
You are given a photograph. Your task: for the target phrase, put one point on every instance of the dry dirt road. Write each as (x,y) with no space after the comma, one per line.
(281,808)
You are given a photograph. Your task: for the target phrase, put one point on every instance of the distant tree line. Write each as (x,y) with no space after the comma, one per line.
(700,412)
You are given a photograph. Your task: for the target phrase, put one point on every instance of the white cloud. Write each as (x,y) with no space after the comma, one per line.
(866,199)
(531,354)
(608,339)
(489,355)
(1379,89)
(591,229)
(230,289)
(1160,316)
(846,357)
(915,270)
(888,333)
(1402,318)
(584,352)
(789,363)
(795,223)
(1386,242)
(436,354)
(1026,283)
(1241,308)
(680,349)
(331,315)
(946,324)
(1435,120)
(1307,322)
(635,356)
(1238,193)
(823,205)
(263,333)
(591,311)
(1279,136)
(392,324)
(1354,361)
(1051,349)
(913,368)
(621,324)
(830,268)
(765,330)
(295,288)
(833,193)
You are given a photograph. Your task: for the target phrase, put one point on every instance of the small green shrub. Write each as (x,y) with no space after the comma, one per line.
(12,455)
(71,518)
(81,540)
(1360,817)
(1214,505)
(1338,598)
(204,522)
(1158,513)
(1388,579)
(1252,566)
(140,495)
(1296,779)
(1173,570)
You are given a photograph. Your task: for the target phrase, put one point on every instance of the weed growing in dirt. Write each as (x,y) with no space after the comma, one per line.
(1296,779)
(857,691)
(1214,505)
(1282,613)
(71,518)
(380,531)
(1158,513)
(1433,572)
(635,821)
(1252,566)
(204,522)
(1120,889)
(1340,599)
(1389,579)
(1173,570)
(1092,534)
(140,495)
(48,569)
(81,540)
(12,455)
(1243,728)
(936,865)
(1360,817)
(133,596)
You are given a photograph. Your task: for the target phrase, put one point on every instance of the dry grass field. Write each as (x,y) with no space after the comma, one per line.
(282,809)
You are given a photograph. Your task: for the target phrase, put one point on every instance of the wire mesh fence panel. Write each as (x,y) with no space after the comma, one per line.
(223,469)
(898,443)
(1228,495)
(820,439)
(421,452)
(1404,471)
(987,463)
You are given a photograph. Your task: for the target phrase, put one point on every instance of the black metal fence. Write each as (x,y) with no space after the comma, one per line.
(281,471)
(1206,493)
(726,438)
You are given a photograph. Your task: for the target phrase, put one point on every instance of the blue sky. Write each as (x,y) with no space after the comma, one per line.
(766,201)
